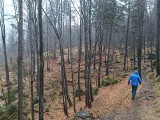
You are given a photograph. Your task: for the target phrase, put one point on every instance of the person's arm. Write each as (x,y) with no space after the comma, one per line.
(129,80)
(139,80)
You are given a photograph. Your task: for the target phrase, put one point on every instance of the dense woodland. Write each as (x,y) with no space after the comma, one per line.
(82,44)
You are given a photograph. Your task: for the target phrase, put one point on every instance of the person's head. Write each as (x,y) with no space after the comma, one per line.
(136,72)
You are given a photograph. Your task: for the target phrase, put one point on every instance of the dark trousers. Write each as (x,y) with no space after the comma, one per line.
(134,89)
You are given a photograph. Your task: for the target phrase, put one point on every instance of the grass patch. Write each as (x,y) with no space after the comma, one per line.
(150,75)
(105,81)
(36,100)
(9,112)
(14,79)
(79,91)
(55,95)
(13,93)
(26,114)
(113,81)
(55,83)
(14,67)
(133,68)
(95,90)
(124,75)
(26,95)
(158,80)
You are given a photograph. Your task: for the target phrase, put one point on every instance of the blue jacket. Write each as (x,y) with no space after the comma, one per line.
(134,79)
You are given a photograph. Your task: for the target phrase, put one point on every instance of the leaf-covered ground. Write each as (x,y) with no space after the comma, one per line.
(111,103)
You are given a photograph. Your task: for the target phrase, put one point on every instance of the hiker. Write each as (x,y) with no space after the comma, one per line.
(134,80)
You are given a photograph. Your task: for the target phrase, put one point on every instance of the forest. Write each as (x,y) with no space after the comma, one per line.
(72,59)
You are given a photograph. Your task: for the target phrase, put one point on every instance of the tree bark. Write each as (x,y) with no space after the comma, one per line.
(127,38)
(158,39)
(3,34)
(41,63)
(20,60)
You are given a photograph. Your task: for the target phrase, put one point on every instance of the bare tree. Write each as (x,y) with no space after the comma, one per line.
(158,39)
(32,54)
(140,30)
(127,38)
(80,50)
(2,24)
(41,62)
(71,56)
(20,60)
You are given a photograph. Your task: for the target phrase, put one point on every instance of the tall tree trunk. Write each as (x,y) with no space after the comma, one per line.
(79,53)
(20,60)
(127,38)
(6,67)
(32,57)
(94,53)
(100,55)
(110,35)
(86,50)
(41,63)
(3,34)
(140,40)
(36,38)
(71,57)
(158,39)
(47,42)
(109,46)
(106,42)
(87,54)
(144,45)
(90,96)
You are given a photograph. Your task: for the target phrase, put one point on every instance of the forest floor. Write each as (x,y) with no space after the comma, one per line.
(114,103)
(111,103)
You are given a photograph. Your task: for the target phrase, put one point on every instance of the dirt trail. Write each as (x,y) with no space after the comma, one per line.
(140,109)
